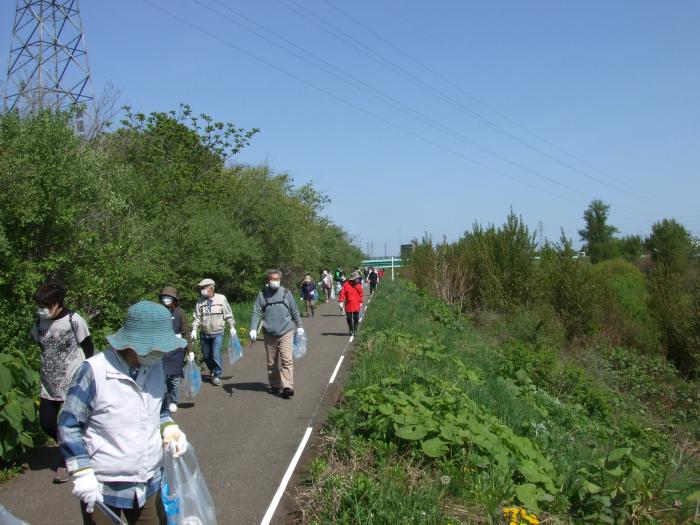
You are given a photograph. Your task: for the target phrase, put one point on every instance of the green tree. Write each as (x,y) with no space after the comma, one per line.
(631,247)
(598,235)
(671,244)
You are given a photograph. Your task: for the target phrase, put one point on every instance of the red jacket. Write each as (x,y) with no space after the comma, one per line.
(351,294)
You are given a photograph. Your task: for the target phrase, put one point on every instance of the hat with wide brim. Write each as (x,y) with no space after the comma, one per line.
(355,275)
(170,291)
(148,328)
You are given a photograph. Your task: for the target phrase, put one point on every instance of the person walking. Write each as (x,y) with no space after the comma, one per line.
(115,422)
(308,294)
(327,283)
(373,278)
(65,342)
(350,301)
(276,306)
(174,361)
(211,312)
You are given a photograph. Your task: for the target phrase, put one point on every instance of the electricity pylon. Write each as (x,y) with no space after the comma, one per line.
(48,66)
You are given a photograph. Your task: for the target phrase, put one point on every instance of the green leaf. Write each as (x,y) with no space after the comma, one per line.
(26,440)
(617,471)
(386,409)
(618,454)
(434,447)
(694,497)
(411,432)
(527,494)
(591,488)
(5,379)
(13,415)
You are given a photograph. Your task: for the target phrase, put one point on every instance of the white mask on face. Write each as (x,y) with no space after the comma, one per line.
(166,300)
(151,359)
(274,284)
(43,313)
(205,292)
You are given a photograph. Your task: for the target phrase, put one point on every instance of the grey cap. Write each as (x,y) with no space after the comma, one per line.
(206,282)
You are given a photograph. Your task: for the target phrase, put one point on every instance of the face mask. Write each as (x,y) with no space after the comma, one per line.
(43,313)
(151,359)
(167,301)
(205,292)
(274,284)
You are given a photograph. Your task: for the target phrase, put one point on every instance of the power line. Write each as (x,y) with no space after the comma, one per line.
(371,53)
(347,102)
(380,95)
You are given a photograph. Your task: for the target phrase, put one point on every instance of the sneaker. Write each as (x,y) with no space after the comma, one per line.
(287,392)
(275,390)
(216,381)
(61,475)
(172,407)
(352,337)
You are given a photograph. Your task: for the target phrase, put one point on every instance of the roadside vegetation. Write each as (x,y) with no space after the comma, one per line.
(158,201)
(502,382)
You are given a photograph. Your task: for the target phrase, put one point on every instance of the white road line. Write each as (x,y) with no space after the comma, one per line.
(337,367)
(287,475)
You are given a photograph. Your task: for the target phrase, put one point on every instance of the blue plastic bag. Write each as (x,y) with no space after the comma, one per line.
(299,345)
(192,382)
(235,351)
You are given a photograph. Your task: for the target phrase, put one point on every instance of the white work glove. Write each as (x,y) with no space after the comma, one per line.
(193,335)
(87,488)
(342,307)
(253,335)
(174,440)
(233,332)
(300,331)
(190,356)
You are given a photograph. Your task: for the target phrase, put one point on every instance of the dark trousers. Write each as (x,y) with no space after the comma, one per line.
(353,319)
(372,288)
(48,419)
(152,513)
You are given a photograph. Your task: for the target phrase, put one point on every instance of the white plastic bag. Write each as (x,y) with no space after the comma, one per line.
(235,350)
(299,345)
(185,495)
(192,382)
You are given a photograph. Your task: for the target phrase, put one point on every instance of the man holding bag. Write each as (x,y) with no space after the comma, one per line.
(115,422)
(278,310)
(211,312)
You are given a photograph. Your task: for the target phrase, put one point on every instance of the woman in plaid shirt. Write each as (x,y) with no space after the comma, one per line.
(114,422)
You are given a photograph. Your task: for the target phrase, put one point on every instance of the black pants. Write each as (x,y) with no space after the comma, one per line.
(48,419)
(353,319)
(48,416)
(372,288)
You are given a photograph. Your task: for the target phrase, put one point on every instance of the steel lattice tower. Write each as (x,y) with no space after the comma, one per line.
(48,66)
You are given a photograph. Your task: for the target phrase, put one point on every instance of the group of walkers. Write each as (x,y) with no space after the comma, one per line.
(111,411)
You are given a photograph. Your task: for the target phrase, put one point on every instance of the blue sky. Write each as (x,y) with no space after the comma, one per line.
(609,89)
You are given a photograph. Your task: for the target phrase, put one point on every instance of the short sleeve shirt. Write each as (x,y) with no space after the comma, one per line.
(61,354)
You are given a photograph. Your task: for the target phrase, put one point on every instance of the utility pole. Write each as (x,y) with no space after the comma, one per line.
(48,66)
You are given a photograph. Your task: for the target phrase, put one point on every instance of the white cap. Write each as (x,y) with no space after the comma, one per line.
(206,282)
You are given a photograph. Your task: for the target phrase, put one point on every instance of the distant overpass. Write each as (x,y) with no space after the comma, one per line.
(388,263)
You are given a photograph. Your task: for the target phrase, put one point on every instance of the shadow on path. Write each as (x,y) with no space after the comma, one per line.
(340,334)
(252,387)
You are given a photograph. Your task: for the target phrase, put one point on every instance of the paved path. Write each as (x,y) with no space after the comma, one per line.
(245,438)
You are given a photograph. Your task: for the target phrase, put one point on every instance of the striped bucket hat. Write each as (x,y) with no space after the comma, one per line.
(148,328)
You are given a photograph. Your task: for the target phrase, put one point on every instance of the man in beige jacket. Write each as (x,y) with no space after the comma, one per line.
(211,313)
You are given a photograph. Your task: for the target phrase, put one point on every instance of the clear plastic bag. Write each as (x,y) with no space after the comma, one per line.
(185,495)
(332,293)
(299,345)
(235,350)
(192,382)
